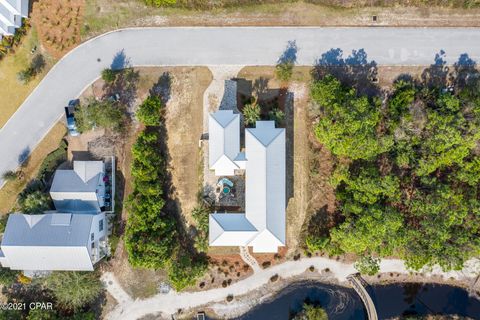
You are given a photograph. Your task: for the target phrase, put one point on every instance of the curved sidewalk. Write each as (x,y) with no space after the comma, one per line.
(171,302)
(213,46)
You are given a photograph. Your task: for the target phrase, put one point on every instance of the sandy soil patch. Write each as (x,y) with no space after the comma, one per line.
(184,115)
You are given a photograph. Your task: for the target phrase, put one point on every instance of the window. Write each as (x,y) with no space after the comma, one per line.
(92,237)
(100,225)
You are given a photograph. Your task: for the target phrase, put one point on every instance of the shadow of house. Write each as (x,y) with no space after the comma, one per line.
(355,70)
(290,141)
(82,156)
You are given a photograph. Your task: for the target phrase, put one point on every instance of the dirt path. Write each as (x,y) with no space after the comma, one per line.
(171,302)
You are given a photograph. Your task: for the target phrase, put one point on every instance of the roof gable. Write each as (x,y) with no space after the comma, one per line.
(49,229)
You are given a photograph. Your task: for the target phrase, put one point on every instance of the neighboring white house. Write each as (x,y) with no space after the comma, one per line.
(262,226)
(72,238)
(11,14)
(81,189)
(53,241)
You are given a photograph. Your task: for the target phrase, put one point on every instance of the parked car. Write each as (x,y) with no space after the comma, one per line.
(70,115)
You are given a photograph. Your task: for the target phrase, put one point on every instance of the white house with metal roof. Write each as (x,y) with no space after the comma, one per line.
(11,14)
(262,226)
(53,241)
(224,142)
(81,189)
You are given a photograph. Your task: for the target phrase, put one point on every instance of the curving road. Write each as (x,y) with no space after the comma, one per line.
(214,46)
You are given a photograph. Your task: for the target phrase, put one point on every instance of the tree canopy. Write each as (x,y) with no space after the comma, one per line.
(348,123)
(105,114)
(407,184)
(73,289)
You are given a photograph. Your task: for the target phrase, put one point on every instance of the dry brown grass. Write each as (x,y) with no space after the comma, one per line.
(58,23)
(10,191)
(12,91)
(105,15)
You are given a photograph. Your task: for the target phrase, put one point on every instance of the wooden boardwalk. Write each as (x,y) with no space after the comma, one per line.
(359,285)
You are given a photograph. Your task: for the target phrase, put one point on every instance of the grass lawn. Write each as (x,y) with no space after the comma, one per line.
(10,191)
(12,92)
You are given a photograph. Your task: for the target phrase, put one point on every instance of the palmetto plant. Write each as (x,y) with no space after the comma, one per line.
(251,113)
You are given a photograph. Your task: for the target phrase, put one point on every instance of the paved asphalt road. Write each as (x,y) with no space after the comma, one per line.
(215,46)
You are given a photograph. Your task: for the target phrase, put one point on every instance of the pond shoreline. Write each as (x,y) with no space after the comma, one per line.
(244,304)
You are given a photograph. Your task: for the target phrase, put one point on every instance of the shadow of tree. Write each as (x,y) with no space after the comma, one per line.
(436,75)
(290,53)
(465,70)
(120,61)
(24,157)
(355,70)
(163,87)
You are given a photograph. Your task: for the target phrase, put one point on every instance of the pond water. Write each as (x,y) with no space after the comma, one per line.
(390,300)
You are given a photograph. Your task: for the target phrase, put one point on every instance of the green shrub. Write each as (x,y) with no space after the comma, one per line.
(8,277)
(160,3)
(35,203)
(109,75)
(104,114)
(201,214)
(150,236)
(149,111)
(251,113)
(284,71)
(52,161)
(368,265)
(315,244)
(183,270)
(73,289)
(9,175)
(277,115)
(311,312)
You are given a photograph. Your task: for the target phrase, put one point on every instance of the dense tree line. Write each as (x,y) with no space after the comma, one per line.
(406,173)
(152,236)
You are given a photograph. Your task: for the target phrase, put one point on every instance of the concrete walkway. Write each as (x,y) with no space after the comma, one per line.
(249,259)
(224,46)
(171,302)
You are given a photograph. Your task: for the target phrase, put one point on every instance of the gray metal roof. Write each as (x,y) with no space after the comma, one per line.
(83,178)
(47,230)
